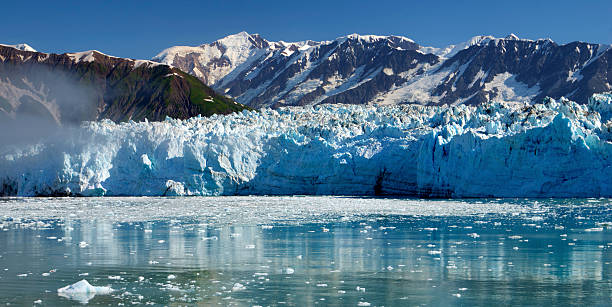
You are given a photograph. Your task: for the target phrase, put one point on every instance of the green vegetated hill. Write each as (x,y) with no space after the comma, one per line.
(90,85)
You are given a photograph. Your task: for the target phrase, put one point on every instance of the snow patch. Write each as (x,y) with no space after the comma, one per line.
(505,88)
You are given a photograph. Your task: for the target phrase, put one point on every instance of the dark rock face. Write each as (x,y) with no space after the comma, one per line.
(70,88)
(393,70)
(575,70)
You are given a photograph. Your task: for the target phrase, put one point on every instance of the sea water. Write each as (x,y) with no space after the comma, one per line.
(305,251)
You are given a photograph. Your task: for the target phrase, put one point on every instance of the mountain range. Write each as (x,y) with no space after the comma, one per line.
(245,70)
(370,69)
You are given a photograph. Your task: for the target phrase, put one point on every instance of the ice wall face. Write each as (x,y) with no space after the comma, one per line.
(558,148)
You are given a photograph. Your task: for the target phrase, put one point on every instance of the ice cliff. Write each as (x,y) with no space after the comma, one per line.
(556,148)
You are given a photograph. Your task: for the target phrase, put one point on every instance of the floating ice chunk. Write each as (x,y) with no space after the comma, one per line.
(238,287)
(364,304)
(250,246)
(595,229)
(82,291)
(83,244)
(289,271)
(171,276)
(474,235)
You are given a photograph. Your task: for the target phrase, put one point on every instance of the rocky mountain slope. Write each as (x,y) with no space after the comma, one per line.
(370,69)
(72,87)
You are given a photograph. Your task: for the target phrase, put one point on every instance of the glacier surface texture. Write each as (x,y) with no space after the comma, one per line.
(553,149)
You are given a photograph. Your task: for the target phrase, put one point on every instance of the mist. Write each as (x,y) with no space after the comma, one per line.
(37,102)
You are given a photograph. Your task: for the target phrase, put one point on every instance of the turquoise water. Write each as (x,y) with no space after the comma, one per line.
(305,251)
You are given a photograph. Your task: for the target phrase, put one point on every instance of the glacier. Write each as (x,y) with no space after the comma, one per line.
(556,148)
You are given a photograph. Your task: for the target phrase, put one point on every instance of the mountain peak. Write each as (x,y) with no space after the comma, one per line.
(512,37)
(369,38)
(22,47)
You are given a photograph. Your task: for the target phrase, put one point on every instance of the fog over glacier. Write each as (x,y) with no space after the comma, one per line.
(558,148)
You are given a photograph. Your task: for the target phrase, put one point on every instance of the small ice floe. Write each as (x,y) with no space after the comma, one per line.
(360,289)
(474,235)
(238,287)
(289,271)
(115,277)
(171,276)
(457,295)
(250,246)
(214,238)
(22,275)
(38,302)
(515,237)
(595,229)
(83,244)
(364,304)
(82,291)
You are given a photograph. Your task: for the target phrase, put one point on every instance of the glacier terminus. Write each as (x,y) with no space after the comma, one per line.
(556,148)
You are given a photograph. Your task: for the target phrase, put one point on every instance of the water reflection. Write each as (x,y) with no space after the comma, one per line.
(377,259)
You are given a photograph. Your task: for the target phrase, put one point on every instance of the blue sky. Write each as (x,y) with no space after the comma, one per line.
(140,29)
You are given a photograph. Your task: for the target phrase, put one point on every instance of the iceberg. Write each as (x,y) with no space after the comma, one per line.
(82,291)
(556,148)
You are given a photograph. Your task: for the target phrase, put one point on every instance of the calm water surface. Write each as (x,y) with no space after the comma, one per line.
(306,251)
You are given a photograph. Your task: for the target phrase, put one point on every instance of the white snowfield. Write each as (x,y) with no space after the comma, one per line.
(555,149)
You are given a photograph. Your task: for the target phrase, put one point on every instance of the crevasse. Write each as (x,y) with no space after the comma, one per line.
(554,149)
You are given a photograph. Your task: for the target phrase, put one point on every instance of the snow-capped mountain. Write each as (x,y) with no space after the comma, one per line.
(89,85)
(22,47)
(211,62)
(370,69)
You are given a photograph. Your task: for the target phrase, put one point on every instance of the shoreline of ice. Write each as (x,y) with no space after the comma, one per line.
(554,149)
